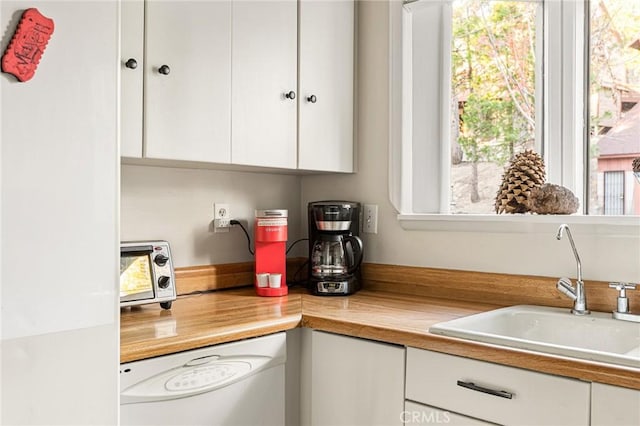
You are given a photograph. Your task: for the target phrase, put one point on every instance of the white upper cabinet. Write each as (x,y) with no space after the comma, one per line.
(131,79)
(186,68)
(217,82)
(325,140)
(264,83)
(187,74)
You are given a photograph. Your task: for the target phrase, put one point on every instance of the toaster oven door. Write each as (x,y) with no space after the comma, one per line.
(136,274)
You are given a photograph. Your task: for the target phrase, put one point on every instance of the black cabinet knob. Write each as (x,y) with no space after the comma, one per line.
(312,99)
(131,63)
(160,260)
(163,281)
(164,70)
(291,95)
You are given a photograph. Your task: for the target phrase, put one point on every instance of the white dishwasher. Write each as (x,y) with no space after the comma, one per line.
(233,384)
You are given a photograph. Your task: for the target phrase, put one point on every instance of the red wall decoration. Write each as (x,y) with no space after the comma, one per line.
(27,45)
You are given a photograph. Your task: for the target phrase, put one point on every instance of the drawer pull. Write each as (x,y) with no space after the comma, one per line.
(473,386)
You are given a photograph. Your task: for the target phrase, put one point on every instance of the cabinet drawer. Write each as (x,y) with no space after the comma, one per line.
(520,396)
(418,414)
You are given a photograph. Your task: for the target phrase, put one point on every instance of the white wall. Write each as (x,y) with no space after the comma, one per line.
(603,257)
(59,209)
(177,205)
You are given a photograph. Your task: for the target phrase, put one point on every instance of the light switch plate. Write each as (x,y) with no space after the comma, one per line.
(370,217)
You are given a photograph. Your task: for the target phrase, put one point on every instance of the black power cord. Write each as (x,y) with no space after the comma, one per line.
(294,243)
(236,222)
(296,280)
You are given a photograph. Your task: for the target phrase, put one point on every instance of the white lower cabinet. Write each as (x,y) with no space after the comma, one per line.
(418,414)
(494,393)
(612,405)
(351,381)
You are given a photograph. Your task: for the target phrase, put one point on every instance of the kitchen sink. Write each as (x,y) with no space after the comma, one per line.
(596,337)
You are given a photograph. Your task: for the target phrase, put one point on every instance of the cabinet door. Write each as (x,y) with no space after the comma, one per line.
(187,89)
(354,382)
(325,137)
(132,66)
(612,405)
(264,70)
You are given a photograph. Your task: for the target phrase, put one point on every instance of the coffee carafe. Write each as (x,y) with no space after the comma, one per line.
(335,250)
(335,256)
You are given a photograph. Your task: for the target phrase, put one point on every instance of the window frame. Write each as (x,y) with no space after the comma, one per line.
(565,20)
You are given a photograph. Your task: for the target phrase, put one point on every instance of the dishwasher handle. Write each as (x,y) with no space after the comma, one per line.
(474,387)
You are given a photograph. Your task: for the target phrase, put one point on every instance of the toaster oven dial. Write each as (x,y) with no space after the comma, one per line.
(161,260)
(163,281)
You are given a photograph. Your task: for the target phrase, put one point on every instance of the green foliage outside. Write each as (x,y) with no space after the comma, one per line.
(493,76)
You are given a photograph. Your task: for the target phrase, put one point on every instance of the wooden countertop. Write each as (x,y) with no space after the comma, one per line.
(211,318)
(206,319)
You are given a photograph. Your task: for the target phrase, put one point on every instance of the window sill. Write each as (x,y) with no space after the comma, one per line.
(623,226)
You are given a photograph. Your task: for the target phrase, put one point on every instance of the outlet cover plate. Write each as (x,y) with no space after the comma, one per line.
(370,218)
(221,217)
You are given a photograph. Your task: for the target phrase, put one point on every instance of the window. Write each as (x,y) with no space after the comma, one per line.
(614,131)
(495,74)
(482,80)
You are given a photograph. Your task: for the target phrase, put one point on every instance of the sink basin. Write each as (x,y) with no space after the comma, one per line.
(596,337)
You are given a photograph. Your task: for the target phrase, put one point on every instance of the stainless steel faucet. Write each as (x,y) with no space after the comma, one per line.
(622,309)
(565,286)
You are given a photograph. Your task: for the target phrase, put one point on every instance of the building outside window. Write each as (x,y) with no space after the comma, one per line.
(615,106)
(613,183)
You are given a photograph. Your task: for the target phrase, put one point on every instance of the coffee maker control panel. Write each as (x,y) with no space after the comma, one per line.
(337,287)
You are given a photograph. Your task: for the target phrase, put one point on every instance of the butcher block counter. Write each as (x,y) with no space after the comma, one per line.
(205,319)
(211,318)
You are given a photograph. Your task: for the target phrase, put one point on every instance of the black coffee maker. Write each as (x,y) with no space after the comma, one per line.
(335,249)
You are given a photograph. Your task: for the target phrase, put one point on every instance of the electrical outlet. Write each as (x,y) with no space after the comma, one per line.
(370,217)
(221,217)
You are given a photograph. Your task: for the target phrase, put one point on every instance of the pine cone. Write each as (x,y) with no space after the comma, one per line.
(525,172)
(552,199)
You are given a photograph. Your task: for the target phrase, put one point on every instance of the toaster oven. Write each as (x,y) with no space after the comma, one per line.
(146,273)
